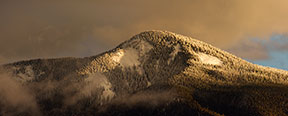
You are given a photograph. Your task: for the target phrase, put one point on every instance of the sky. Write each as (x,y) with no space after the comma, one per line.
(276,51)
(255,30)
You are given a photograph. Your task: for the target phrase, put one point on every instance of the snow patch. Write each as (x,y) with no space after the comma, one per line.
(177,49)
(127,57)
(144,47)
(130,58)
(208,59)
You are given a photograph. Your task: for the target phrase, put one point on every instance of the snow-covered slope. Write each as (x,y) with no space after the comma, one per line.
(153,73)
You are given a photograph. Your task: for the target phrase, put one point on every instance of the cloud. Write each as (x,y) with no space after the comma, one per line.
(250,50)
(277,59)
(271,52)
(261,49)
(277,51)
(16,98)
(277,43)
(37,29)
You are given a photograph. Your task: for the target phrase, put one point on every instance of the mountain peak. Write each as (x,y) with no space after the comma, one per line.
(160,68)
(165,39)
(149,51)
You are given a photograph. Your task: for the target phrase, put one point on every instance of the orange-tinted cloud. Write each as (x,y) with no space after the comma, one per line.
(64,28)
(250,50)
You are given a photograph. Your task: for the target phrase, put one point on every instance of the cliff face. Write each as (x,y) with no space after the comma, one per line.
(153,73)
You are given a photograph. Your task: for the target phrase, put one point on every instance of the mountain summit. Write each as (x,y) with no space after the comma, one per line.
(153,73)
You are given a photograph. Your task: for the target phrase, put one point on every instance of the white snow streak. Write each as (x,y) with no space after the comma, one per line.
(208,59)
(127,57)
(177,49)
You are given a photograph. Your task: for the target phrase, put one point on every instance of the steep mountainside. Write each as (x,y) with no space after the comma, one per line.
(153,73)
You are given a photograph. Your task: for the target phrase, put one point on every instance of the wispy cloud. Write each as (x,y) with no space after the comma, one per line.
(16,96)
(271,52)
(251,50)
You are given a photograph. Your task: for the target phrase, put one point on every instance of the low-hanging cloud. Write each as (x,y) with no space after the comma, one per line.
(16,98)
(37,29)
(36,97)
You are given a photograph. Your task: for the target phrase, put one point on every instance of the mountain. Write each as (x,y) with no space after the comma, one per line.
(154,73)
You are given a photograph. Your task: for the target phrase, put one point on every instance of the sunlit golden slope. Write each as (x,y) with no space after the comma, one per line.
(153,73)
